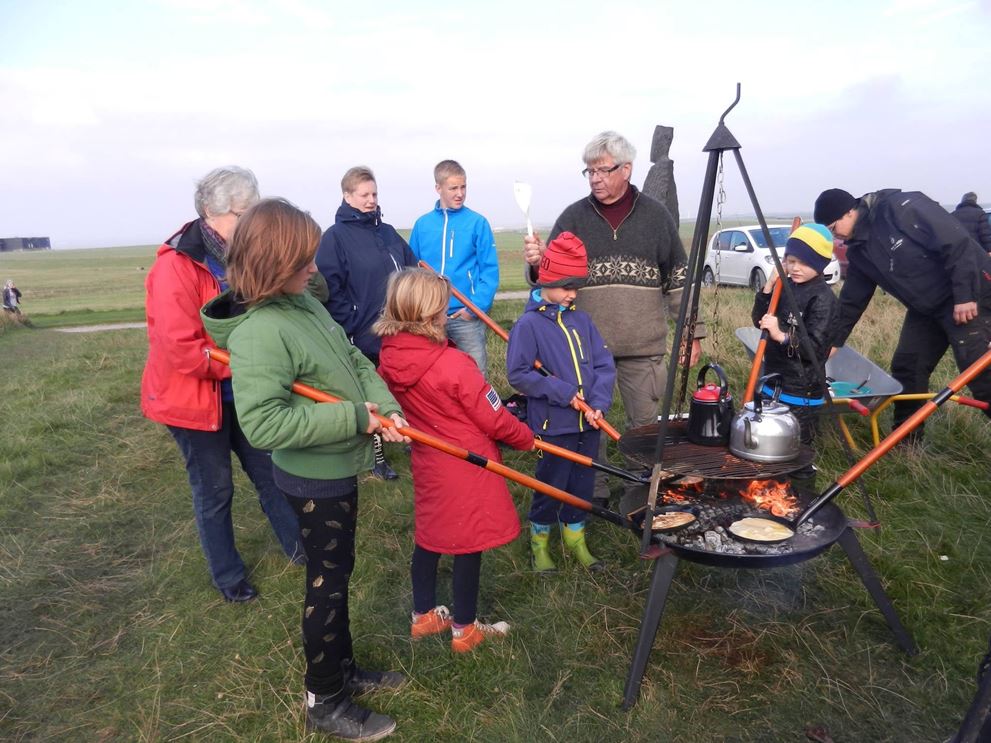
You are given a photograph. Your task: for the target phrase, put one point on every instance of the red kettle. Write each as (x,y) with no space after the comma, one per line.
(710,414)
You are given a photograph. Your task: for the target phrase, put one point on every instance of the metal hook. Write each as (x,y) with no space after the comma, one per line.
(732,105)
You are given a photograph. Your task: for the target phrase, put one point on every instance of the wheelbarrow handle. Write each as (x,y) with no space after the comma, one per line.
(859,407)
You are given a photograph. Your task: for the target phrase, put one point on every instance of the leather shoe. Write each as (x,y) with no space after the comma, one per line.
(240,592)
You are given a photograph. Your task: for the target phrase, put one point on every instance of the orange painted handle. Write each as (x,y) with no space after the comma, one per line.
(927,409)
(498,330)
(748,395)
(316,395)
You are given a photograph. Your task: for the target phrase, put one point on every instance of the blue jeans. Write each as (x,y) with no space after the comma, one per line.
(208,463)
(469,336)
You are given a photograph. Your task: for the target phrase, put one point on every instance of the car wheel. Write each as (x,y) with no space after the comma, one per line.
(757,280)
(708,279)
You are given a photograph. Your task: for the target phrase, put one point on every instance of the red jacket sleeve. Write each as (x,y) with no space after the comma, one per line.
(175,293)
(484,408)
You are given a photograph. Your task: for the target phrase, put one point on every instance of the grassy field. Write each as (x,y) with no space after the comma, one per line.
(112,630)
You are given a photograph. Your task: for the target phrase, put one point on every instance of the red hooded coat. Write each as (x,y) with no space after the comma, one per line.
(459,507)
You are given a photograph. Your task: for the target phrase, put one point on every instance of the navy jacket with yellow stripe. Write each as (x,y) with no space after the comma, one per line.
(569,346)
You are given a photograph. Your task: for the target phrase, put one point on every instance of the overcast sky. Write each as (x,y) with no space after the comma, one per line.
(110,111)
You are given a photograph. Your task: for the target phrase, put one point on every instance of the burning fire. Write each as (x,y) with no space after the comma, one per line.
(772,496)
(686,491)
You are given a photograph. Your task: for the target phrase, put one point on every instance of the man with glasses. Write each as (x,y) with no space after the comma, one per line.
(636,270)
(910,246)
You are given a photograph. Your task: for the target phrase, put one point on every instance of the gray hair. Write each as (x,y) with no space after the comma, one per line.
(609,143)
(355,177)
(223,189)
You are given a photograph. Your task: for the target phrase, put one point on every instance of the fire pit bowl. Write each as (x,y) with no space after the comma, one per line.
(707,540)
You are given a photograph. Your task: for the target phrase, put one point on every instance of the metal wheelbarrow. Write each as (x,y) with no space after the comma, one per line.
(853,379)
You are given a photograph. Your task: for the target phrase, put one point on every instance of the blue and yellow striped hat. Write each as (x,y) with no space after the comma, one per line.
(812,244)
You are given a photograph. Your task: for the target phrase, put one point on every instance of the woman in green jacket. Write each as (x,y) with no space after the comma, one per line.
(276,334)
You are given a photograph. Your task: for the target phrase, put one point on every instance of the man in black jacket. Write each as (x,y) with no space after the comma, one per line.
(907,244)
(974,220)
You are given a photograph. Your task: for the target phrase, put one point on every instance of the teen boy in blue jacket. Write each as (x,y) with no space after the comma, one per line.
(569,347)
(458,243)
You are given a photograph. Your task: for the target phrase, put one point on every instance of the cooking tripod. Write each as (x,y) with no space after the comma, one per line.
(666,560)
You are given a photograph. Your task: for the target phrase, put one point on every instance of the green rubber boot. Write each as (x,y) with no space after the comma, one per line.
(540,549)
(573,536)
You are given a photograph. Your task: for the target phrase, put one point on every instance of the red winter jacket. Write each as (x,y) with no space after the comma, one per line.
(180,385)
(459,507)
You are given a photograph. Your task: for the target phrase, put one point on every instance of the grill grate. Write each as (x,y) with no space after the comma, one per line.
(682,457)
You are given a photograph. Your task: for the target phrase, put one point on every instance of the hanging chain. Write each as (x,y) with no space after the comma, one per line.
(720,201)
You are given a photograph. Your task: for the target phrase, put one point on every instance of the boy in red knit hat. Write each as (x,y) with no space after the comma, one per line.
(581,368)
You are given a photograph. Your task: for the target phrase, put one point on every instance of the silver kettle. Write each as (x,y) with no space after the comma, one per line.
(766,431)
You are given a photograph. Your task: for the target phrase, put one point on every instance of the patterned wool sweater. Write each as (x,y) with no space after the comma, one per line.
(635,273)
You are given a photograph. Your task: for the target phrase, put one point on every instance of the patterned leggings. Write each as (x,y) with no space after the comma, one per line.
(327,527)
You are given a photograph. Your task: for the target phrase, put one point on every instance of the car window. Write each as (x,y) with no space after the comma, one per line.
(778,234)
(724,243)
(736,237)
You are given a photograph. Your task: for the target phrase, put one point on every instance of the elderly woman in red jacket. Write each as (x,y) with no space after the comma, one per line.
(192,395)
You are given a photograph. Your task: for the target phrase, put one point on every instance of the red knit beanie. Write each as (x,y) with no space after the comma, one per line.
(564,263)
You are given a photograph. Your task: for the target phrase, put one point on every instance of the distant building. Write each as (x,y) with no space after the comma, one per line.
(8,244)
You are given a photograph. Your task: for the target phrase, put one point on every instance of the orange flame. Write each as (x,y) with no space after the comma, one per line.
(772,496)
(684,492)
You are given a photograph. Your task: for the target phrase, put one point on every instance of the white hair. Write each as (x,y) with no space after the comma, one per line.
(609,143)
(224,189)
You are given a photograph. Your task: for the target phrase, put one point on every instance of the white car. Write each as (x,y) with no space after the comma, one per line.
(740,256)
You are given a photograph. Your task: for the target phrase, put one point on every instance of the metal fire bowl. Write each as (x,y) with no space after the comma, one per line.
(682,457)
(802,547)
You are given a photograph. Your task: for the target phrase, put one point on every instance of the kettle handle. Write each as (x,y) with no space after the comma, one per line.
(723,382)
(749,440)
(758,407)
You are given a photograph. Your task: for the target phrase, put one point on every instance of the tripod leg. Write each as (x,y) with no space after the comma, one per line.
(660,581)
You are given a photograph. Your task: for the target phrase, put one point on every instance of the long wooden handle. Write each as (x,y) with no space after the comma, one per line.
(502,470)
(496,328)
(889,442)
(748,394)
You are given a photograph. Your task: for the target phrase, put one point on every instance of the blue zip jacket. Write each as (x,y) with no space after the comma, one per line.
(568,345)
(356,256)
(459,244)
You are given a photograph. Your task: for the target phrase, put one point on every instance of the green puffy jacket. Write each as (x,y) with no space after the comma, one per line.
(293,338)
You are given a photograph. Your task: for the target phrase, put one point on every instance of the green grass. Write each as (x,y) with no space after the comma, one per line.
(111,630)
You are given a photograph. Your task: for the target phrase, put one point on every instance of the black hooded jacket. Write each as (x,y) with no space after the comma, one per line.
(975,221)
(910,246)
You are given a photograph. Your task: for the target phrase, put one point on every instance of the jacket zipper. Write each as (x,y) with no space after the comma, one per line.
(443,246)
(578,373)
(615,232)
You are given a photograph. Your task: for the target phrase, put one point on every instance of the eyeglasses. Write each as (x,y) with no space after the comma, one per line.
(238,214)
(589,172)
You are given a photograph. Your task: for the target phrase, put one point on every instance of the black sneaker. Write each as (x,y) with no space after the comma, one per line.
(362,681)
(383,471)
(345,719)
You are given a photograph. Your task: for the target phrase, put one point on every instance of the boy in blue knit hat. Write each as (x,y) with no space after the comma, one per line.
(807,253)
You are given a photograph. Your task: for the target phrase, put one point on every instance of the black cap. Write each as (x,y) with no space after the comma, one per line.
(833,204)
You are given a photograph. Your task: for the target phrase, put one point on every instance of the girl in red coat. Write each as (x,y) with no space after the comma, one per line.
(460,509)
